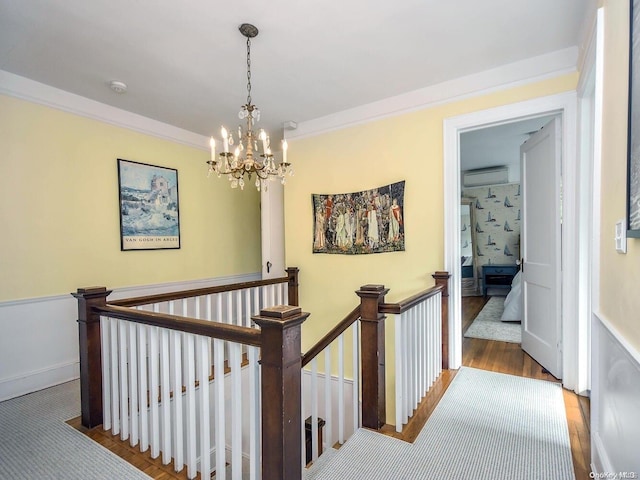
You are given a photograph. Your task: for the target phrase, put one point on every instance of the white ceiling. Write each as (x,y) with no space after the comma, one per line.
(184,61)
(498,145)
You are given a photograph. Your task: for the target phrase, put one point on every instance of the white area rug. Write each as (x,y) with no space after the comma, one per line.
(488,325)
(487,426)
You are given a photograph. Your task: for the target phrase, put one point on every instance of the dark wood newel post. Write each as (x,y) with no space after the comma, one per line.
(292,273)
(90,353)
(281,361)
(374,408)
(442,278)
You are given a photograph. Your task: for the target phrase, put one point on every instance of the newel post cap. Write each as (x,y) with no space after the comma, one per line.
(282,316)
(92,292)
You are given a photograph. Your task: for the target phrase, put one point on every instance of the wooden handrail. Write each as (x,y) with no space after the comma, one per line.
(334,333)
(404,305)
(196,292)
(223,331)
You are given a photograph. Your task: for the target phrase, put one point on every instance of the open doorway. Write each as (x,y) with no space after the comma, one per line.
(491,224)
(564,104)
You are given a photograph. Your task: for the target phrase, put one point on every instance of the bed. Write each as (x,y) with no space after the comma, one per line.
(513,302)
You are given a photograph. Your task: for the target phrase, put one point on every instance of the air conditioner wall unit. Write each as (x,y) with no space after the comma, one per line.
(485,176)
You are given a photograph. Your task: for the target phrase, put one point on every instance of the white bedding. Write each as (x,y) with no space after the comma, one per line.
(513,302)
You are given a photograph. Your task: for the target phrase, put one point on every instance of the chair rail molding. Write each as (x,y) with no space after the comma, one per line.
(39,341)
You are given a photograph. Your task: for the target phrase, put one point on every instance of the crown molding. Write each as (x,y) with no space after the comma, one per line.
(40,93)
(511,75)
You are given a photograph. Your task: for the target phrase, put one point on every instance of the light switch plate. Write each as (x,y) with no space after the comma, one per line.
(621,237)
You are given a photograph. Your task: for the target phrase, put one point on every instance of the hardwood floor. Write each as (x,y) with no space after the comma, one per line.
(490,355)
(142,461)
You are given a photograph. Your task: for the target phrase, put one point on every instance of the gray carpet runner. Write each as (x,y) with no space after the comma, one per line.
(36,443)
(487,426)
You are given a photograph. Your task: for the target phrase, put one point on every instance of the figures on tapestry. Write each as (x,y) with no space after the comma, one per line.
(358,223)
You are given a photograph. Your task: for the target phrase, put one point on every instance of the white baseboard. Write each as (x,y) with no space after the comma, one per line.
(37,380)
(39,341)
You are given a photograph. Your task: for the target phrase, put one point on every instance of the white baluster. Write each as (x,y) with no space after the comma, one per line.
(327,397)
(239,320)
(423,349)
(218,349)
(185,307)
(143,387)
(356,376)
(341,388)
(285,293)
(410,356)
(106,372)
(314,412)
(165,388)
(124,380)
(416,358)
(255,415)
(272,295)
(278,289)
(439,330)
(115,380)
(190,401)
(434,343)
(133,384)
(176,385)
(399,372)
(203,415)
(256,301)
(228,318)
(235,354)
(404,324)
(247,307)
(154,389)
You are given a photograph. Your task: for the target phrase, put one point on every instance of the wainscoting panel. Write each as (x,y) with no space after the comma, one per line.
(39,340)
(615,402)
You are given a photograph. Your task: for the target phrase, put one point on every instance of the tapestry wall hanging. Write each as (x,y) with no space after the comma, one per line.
(149,217)
(358,223)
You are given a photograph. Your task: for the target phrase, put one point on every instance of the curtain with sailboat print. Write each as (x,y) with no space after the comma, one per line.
(497,223)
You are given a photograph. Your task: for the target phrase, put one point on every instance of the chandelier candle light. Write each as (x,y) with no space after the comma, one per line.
(246,159)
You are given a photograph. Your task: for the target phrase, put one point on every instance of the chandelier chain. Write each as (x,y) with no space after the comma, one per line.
(248,71)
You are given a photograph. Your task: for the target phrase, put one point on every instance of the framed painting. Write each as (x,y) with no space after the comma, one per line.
(371,221)
(149,213)
(633,150)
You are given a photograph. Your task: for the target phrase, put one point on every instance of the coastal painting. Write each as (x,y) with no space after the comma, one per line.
(371,221)
(149,214)
(633,169)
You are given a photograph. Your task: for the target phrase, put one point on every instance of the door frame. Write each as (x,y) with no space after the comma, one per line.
(564,104)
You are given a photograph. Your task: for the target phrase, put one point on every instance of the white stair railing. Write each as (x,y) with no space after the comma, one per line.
(331,398)
(161,387)
(418,354)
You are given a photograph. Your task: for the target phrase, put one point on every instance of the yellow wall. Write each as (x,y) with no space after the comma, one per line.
(59,208)
(619,274)
(406,147)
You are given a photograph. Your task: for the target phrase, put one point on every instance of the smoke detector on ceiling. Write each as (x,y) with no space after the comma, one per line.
(117,86)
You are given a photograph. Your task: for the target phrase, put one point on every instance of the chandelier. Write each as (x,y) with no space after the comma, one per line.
(245,160)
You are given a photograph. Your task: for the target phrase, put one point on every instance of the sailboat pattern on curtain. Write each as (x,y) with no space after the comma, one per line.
(497,213)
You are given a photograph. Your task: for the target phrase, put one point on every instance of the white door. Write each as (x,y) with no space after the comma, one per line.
(272,228)
(540,245)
